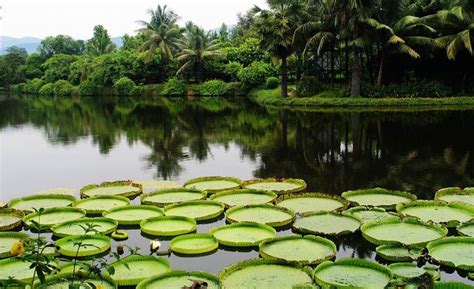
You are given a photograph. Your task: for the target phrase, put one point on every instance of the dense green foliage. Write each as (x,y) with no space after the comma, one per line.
(124,86)
(174,87)
(272,82)
(213,88)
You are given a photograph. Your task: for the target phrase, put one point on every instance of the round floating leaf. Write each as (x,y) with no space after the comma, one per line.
(411,270)
(243,234)
(7,239)
(243,197)
(155,185)
(452,285)
(180,279)
(378,197)
(449,214)
(171,196)
(168,226)
(58,191)
(303,250)
(264,273)
(198,210)
(77,227)
(370,214)
(127,189)
(466,229)
(63,281)
(131,270)
(398,253)
(263,214)
(193,244)
(409,232)
(213,184)
(133,215)
(456,252)
(10,219)
(98,204)
(326,223)
(51,217)
(119,235)
(311,202)
(279,186)
(455,194)
(352,273)
(91,245)
(30,203)
(16,268)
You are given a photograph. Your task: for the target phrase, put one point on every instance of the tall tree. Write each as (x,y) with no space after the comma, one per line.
(61,44)
(100,43)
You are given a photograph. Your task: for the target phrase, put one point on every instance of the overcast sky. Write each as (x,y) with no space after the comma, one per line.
(41,18)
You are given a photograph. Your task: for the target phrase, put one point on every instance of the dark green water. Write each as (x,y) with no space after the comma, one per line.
(47,143)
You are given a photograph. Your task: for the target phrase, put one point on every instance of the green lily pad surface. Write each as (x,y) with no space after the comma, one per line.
(411,270)
(91,245)
(243,197)
(28,204)
(213,184)
(171,196)
(51,217)
(263,273)
(311,202)
(455,194)
(410,232)
(303,250)
(243,234)
(453,252)
(279,186)
(198,210)
(7,239)
(118,188)
(15,268)
(194,244)
(263,214)
(378,197)
(156,185)
(10,219)
(450,214)
(370,214)
(398,253)
(76,227)
(168,226)
(179,280)
(466,229)
(452,285)
(133,269)
(63,281)
(98,204)
(352,273)
(133,215)
(326,223)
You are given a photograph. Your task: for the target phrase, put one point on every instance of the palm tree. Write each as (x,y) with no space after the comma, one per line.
(196,48)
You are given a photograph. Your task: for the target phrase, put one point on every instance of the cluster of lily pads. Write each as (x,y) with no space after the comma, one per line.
(403,229)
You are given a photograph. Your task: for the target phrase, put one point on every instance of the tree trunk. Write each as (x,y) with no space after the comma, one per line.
(381,67)
(356,73)
(284,77)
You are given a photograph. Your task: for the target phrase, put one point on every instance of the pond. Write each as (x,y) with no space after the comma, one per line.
(47,143)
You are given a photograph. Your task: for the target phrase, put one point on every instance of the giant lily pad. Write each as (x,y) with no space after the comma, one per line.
(213,184)
(408,270)
(303,250)
(378,197)
(263,214)
(243,197)
(370,214)
(30,203)
(155,185)
(10,219)
(118,188)
(51,217)
(168,225)
(279,186)
(452,285)
(193,244)
(450,214)
(398,253)
(264,273)
(243,234)
(311,202)
(171,196)
(91,245)
(198,210)
(352,273)
(180,279)
(466,229)
(133,215)
(131,270)
(455,194)
(98,204)
(16,268)
(409,232)
(7,239)
(63,281)
(326,223)
(453,252)
(77,227)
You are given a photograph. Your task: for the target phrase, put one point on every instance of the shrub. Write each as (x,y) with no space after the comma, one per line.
(213,88)
(232,70)
(87,88)
(62,88)
(272,82)
(174,87)
(235,89)
(19,88)
(47,89)
(138,90)
(407,90)
(309,86)
(256,73)
(124,86)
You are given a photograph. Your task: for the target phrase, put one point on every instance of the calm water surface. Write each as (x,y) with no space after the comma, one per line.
(47,142)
